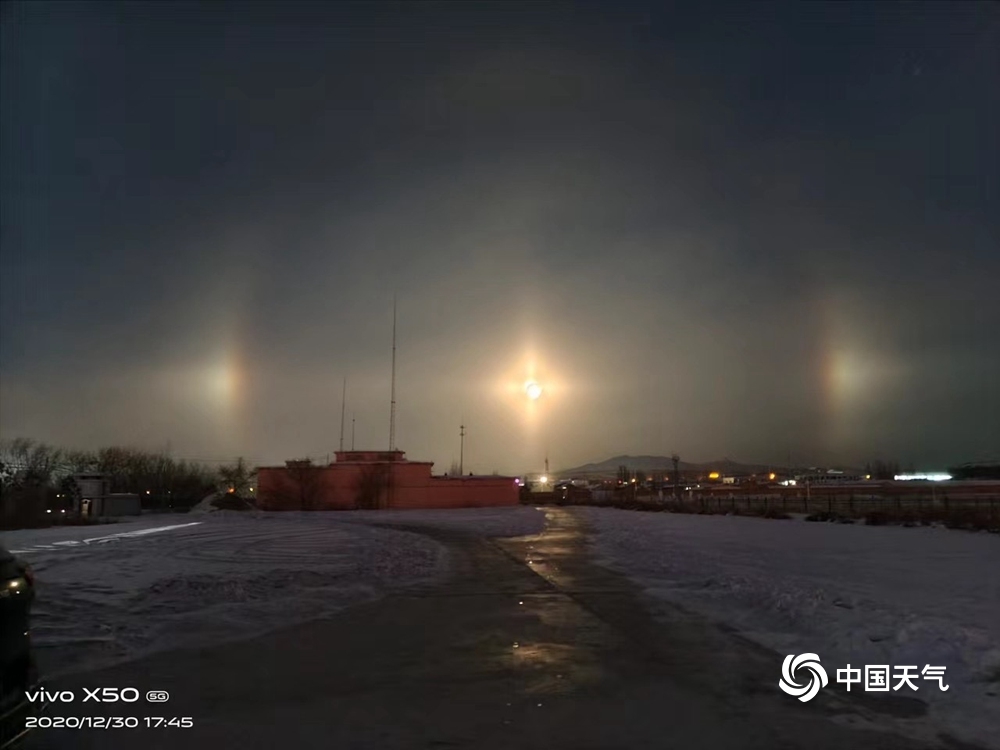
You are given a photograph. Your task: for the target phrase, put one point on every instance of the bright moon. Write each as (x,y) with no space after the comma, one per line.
(533,389)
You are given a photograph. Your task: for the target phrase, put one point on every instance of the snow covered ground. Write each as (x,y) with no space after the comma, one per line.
(493,522)
(849,593)
(117,591)
(857,594)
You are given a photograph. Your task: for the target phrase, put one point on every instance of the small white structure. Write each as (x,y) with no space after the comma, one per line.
(93,498)
(830,476)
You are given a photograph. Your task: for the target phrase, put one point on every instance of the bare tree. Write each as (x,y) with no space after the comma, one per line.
(31,459)
(27,468)
(305,480)
(79,462)
(237,479)
(372,489)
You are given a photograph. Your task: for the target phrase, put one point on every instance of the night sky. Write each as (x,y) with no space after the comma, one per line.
(744,230)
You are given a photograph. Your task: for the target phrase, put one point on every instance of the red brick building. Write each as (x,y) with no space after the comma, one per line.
(376,479)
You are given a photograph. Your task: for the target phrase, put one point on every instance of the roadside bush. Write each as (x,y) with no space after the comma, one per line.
(824,517)
(876,518)
(970,520)
(774,513)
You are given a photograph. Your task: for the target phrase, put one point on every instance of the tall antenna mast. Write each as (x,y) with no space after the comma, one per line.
(392,395)
(343,405)
(352,431)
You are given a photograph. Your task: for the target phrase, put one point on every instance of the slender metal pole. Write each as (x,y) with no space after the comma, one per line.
(392,414)
(343,406)
(677,474)
(392,394)
(352,431)
(461,453)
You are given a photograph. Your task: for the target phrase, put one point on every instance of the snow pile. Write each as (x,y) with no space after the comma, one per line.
(120,591)
(857,594)
(207,505)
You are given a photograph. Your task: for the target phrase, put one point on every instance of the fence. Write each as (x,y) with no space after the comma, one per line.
(850,505)
(965,511)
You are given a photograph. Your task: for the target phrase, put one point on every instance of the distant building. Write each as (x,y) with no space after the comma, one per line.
(829,476)
(376,480)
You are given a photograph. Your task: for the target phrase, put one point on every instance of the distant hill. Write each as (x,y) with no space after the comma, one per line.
(660,463)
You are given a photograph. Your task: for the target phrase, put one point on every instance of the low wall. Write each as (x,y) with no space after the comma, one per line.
(373,485)
(471,492)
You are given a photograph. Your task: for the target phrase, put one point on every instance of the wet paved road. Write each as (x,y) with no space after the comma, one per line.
(529,646)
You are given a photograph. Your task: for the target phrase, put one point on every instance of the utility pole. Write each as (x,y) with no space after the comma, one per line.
(343,406)
(352,431)
(392,393)
(461,452)
(390,479)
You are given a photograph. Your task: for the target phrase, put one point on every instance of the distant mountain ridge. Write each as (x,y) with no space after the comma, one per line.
(663,463)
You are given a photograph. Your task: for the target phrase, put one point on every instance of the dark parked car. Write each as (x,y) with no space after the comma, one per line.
(17,666)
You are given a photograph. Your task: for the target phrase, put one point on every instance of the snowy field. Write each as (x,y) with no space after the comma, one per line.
(118,591)
(849,593)
(493,522)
